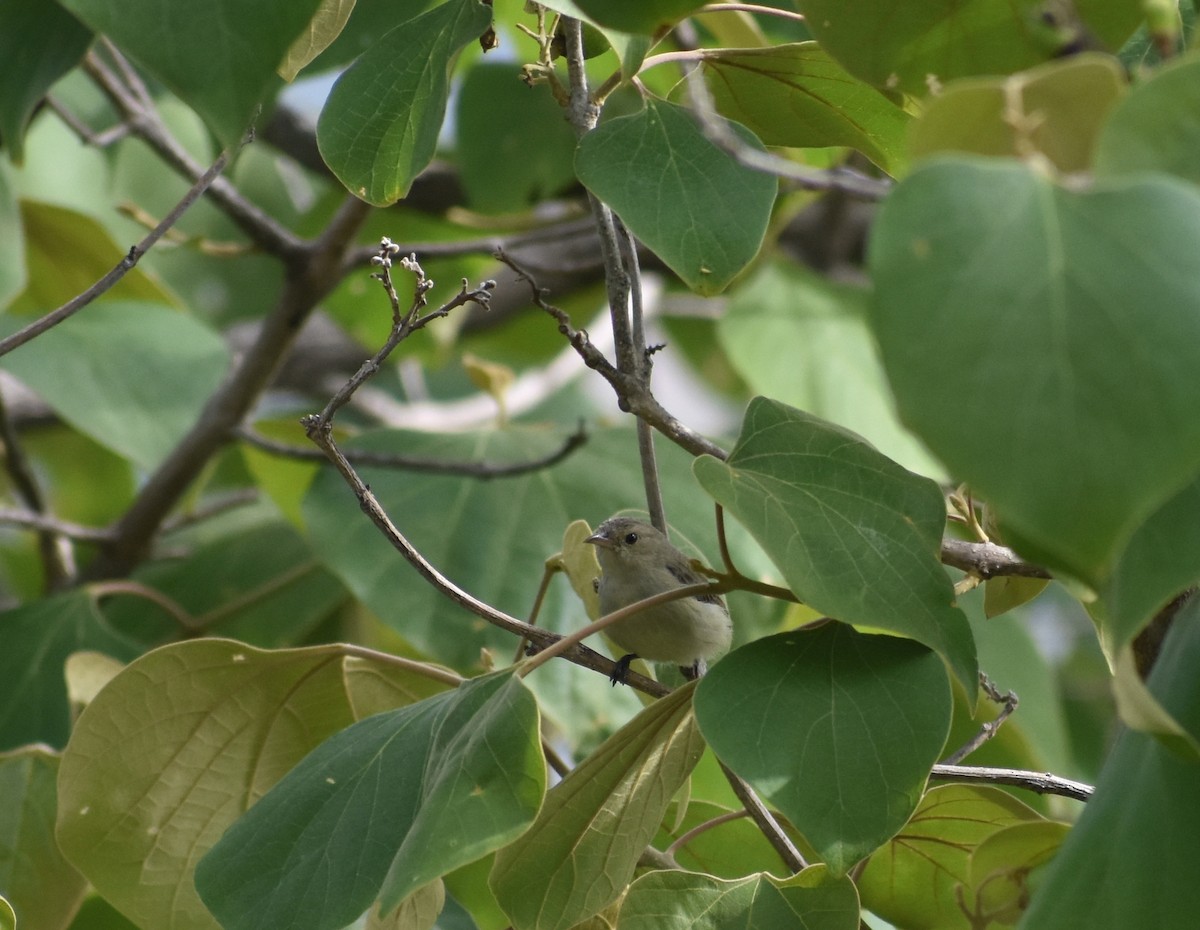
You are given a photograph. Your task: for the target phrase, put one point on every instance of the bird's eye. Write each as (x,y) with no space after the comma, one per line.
(631,538)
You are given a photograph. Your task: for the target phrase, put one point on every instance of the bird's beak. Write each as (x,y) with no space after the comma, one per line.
(599,539)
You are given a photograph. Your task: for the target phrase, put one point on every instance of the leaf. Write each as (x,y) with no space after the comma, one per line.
(1140,710)
(219,57)
(673,900)
(699,211)
(38,637)
(1146,812)
(637,15)
(496,120)
(174,750)
(132,376)
(1161,559)
(39,43)
(325,26)
(1155,128)
(8,919)
(831,368)
(1000,866)
(1056,110)
(39,885)
(379,127)
(1009,592)
(855,535)
(911,882)
(796,95)
(13,276)
(855,723)
(382,809)
(925,45)
(1061,326)
(569,865)
(52,231)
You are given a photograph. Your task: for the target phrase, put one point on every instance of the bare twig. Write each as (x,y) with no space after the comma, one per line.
(1039,782)
(1008,703)
(702,828)
(766,821)
(99,590)
(988,560)
(122,268)
(211,508)
(45,523)
(366,458)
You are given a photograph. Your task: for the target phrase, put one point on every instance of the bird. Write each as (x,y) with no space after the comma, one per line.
(638,561)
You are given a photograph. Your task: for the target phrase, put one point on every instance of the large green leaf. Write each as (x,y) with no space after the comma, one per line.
(38,637)
(570,864)
(674,900)
(1157,127)
(699,210)
(379,127)
(637,15)
(831,368)
(916,47)
(180,744)
(856,536)
(497,119)
(913,882)
(41,886)
(1056,110)
(796,95)
(1043,342)
(132,376)
(390,804)
(1130,860)
(855,722)
(39,43)
(219,56)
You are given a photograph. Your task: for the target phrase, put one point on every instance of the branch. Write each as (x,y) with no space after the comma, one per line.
(632,396)
(44,523)
(1039,782)
(362,457)
(123,267)
(136,108)
(1008,703)
(987,560)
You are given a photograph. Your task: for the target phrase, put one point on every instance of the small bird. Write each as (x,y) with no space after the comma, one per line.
(638,561)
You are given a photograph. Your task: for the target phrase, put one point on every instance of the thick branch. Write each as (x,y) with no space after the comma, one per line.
(1039,782)
(987,560)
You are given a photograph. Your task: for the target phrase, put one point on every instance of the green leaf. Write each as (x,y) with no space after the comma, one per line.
(1043,342)
(379,127)
(1142,824)
(1161,559)
(176,748)
(38,637)
(13,276)
(52,231)
(514,145)
(567,867)
(1001,865)
(326,25)
(925,45)
(700,211)
(39,43)
(796,95)
(1156,128)
(809,900)
(390,803)
(855,723)
(637,15)
(1056,110)
(38,883)
(219,57)
(831,368)
(132,376)
(8,919)
(912,882)
(856,536)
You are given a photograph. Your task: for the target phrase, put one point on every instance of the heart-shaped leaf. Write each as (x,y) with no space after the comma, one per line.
(1043,342)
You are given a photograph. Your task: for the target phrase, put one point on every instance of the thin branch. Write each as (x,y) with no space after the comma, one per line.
(765,820)
(52,525)
(366,458)
(100,140)
(122,268)
(210,509)
(988,560)
(631,395)
(751,8)
(99,590)
(703,828)
(1008,703)
(1038,782)
(134,106)
(718,132)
